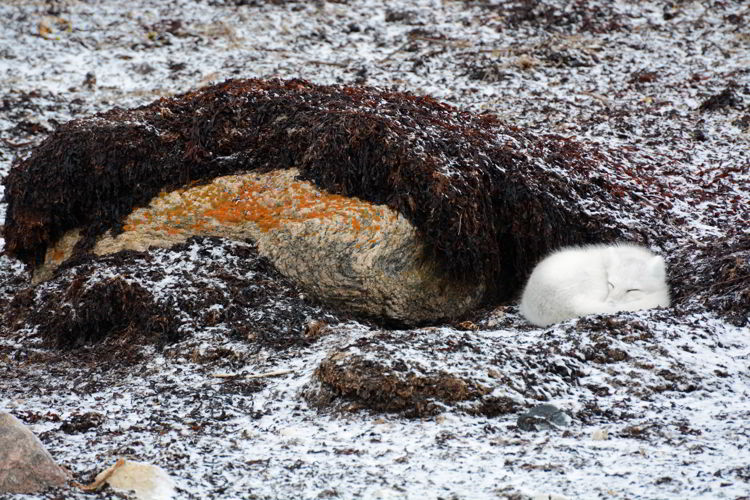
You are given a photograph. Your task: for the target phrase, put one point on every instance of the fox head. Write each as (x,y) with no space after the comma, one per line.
(636,279)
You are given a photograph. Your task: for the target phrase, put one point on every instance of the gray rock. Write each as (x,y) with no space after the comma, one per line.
(25,466)
(543,417)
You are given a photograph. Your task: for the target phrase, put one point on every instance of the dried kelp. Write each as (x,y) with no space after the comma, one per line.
(715,275)
(489,198)
(129,299)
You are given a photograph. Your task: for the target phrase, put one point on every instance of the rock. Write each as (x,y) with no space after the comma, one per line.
(25,466)
(352,254)
(315,329)
(543,417)
(147,481)
(600,435)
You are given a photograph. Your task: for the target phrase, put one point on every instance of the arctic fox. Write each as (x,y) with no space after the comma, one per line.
(595,279)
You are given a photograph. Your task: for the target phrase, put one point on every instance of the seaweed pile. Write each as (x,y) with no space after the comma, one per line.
(122,301)
(714,275)
(578,15)
(488,198)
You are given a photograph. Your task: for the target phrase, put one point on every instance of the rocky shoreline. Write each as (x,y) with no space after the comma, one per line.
(627,120)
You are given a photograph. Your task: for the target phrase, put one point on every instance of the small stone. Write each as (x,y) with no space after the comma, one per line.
(90,81)
(467,326)
(600,435)
(25,466)
(496,317)
(543,417)
(291,432)
(149,482)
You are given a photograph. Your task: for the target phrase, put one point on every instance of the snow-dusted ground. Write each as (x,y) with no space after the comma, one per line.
(617,73)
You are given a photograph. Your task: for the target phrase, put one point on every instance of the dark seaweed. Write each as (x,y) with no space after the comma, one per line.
(472,185)
(77,307)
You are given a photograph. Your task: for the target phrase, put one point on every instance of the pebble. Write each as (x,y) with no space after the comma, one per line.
(600,435)
(148,482)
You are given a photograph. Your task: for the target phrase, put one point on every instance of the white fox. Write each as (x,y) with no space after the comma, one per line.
(595,279)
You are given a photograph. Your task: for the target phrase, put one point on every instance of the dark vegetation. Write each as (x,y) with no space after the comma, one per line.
(714,275)
(480,191)
(251,301)
(399,372)
(499,209)
(577,15)
(724,99)
(84,314)
(109,156)
(351,382)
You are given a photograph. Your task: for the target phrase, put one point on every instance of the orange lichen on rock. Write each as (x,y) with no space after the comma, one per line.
(361,257)
(269,201)
(56,255)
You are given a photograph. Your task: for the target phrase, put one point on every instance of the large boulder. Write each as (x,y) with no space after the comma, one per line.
(25,466)
(356,255)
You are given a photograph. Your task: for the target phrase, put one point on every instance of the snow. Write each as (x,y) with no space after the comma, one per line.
(241,439)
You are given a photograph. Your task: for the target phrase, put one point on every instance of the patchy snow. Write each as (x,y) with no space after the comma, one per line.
(639,83)
(268,444)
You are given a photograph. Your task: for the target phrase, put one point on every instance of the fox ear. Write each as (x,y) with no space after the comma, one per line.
(656,267)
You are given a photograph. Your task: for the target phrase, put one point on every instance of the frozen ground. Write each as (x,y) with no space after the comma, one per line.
(669,79)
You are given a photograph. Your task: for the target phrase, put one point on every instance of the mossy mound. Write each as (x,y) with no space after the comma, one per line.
(488,198)
(86,314)
(350,382)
